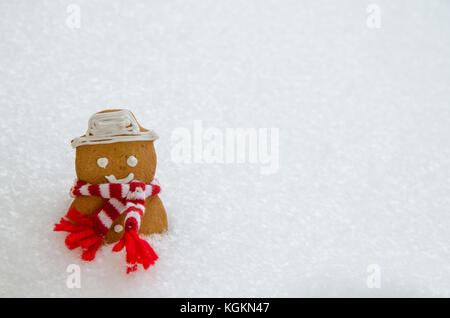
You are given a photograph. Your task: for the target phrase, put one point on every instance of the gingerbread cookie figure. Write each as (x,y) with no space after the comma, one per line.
(115,195)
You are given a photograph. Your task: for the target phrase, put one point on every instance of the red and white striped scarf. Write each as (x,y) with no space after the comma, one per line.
(87,232)
(119,199)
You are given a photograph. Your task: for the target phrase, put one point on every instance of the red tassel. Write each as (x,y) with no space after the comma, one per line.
(82,233)
(132,268)
(138,251)
(89,254)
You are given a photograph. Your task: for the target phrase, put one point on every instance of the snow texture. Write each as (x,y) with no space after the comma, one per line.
(364,119)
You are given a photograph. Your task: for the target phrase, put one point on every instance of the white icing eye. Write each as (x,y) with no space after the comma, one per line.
(132,161)
(118,228)
(102,162)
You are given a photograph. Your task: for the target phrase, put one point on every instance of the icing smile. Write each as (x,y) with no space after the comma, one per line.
(112,179)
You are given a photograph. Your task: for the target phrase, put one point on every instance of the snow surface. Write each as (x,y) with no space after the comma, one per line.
(364,119)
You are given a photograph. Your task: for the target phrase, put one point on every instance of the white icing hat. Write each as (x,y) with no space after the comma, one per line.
(113,126)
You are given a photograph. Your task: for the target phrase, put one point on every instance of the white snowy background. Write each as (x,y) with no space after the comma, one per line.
(364,119)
